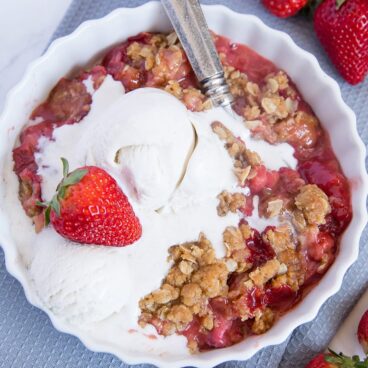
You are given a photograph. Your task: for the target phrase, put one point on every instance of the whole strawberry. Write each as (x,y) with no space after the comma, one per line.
(90,208)
(363,332)
(284,8)
(334,360)
(342,28)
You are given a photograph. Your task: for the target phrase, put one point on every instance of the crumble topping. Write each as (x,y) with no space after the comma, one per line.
(263,321)
(242,280)
(313,203)
(243,158)
(280,238)
(284,245)
(230,202)
(266,272)
(270,108)
(236,252)
(300,128)
(164,57)
(274,207)
(195,276)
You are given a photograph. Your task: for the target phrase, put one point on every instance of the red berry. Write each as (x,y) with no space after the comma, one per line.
(342,28)
(90,208)
(363,332)
(320,362)
(284,8)
(334,360)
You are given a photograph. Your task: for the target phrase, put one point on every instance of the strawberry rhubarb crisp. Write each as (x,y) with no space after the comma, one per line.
(216,225)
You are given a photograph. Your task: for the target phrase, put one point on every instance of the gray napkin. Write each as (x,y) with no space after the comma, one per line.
(27,338)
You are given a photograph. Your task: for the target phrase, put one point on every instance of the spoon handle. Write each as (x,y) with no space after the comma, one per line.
(190,25)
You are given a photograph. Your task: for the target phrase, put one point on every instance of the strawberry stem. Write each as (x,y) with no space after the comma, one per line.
(339,3)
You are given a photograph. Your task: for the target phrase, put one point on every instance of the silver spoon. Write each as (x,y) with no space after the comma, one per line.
(188,20)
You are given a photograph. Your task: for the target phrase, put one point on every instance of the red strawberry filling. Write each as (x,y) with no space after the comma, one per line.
(260,251)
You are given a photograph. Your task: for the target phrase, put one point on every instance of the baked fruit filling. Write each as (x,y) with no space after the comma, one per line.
(216,302)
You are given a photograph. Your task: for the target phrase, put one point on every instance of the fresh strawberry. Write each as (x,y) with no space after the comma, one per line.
(90,208)
(284,8)
(342,28)
(320,362)
(334,360)
(363,332)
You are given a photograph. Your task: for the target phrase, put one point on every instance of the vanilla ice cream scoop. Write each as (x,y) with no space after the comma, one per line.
(100,285)
(146,138)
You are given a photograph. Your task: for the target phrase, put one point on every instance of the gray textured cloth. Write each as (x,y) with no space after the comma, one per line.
(27,338)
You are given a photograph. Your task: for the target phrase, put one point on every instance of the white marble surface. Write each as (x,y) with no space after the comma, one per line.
(25,29)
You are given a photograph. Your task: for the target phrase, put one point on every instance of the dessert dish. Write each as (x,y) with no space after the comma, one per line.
(260,200)
(254,193)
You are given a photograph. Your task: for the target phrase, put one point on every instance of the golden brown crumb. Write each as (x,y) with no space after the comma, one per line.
(274,207)
(275,106)
(181,315)
(280,78)
(263,321)
(174,88)
(265,272)
(300,128)
(294,277)
(233,239)
(207,322)
(212,279)
(251,113)
(175,277)
(243,158)
(191,294)
(237,252)
(279,238)
(298,220)
(230,202)
(313,203)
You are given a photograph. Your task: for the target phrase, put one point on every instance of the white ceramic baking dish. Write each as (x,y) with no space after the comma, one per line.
(87,43)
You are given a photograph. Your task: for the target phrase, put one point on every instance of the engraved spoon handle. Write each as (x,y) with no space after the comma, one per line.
(190,25)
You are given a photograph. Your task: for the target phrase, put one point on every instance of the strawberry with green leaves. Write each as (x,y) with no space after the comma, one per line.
(334,360)
(90,208)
